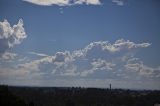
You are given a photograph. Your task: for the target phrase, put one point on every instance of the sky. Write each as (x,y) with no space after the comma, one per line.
(80,43)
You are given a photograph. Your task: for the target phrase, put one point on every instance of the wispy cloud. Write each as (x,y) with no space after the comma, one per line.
(118,2)
(38,54)
(64,2)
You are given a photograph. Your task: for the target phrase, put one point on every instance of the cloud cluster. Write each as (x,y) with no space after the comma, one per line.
(100,61)
(108,60)
(11,36)
(63,2)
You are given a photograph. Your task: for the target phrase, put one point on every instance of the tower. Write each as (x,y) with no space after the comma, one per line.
(110,86)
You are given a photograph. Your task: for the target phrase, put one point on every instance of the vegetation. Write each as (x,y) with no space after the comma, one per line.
(8,99)
(63,96)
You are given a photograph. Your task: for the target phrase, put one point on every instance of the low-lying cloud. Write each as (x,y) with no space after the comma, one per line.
(114,60)
(100,60)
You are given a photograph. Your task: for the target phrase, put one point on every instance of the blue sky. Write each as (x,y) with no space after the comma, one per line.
(80,43)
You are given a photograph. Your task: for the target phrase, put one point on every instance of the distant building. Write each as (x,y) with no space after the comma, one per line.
(110,86)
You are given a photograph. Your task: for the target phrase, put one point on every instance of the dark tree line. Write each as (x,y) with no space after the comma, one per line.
(52,96)
(8,99)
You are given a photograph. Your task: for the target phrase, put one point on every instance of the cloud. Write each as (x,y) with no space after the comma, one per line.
(101,57)
(102,65)
(92,2)
(34,65)
(49,2)
(104,61)
(98,64)
(134,64)
(118,46)
(118,2)
(62,57)
(63,2)
(59,62)
(11,36)
(8,56)
(38,54)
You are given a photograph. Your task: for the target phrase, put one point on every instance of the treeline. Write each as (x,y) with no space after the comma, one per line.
(9,99)
(54,96)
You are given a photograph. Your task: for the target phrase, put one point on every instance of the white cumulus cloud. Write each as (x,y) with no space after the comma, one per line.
(63,2)
(95,57)
(11,36)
